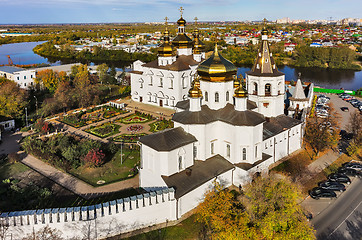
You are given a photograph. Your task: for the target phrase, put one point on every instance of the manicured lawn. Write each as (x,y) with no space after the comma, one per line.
(11,169)
(128,138)
(187,229)
(111,171)
(104,130)
(161,125)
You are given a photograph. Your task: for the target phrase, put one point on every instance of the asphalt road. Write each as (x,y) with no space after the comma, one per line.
(342,220)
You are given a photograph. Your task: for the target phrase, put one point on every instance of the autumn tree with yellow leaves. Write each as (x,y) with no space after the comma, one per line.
(269,209)
(50,79)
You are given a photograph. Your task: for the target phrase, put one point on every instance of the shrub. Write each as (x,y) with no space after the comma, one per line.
(94,158)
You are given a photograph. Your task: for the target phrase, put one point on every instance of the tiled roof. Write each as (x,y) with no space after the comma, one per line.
(168,139)
(227,114)
(277,125)
(198,174)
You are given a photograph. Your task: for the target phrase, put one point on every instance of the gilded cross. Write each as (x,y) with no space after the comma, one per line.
(181,10)
(196,20)
(166,19)
(265,21)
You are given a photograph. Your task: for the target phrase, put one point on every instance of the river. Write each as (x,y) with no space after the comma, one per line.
(22,53)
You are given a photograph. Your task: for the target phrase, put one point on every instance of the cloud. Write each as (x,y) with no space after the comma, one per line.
(117,9)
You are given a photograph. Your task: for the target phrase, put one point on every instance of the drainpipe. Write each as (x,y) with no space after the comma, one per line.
(232,176)
(288,141)
(274,147)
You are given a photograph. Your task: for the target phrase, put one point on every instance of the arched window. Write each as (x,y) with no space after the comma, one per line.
(216,97)
(212,148)
(256,151)
(151,81)
(228,151)
(161,82)
(279,87)
(267,89)
(244,153)
(227,96)
(171,83)
(206,96)
(255,89)
(180,163)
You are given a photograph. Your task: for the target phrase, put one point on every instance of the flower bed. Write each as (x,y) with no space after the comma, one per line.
(134,119)
(104,130)
(74,120)
(110,112)
(134,128)
(128,138)
(161,125)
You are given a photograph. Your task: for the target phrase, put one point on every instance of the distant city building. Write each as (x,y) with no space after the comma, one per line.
(23,77)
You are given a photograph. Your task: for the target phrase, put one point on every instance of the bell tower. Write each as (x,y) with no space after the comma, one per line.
(266,85)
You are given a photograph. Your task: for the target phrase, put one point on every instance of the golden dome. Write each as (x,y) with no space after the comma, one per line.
(198,45)
(236,82)
(240,92)
(264,32)
(195,92)
(166,49)
(196,82)
(216,68)
(181,21)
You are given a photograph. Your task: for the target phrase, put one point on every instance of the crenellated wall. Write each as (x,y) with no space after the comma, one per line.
(96,221)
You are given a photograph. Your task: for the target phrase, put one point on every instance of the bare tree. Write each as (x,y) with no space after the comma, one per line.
(4,227)
(45,233)
(355,126)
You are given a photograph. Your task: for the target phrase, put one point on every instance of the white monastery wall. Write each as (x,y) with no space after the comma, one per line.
(98,221)
(196,196)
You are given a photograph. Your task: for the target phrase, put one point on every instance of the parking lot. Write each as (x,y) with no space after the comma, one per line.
(338,103)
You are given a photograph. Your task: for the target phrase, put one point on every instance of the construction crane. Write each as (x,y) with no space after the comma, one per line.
(10,62)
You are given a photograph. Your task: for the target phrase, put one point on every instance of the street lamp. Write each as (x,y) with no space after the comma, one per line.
(36,105)
(26,116)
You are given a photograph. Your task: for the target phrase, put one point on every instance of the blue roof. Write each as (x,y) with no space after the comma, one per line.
(10,69)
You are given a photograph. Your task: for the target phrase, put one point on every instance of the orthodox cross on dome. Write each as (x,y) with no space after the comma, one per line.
(166,19)
(196,20)
(181,10)
(265,22)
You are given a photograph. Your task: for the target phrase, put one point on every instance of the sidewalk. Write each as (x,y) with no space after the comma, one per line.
(73,184)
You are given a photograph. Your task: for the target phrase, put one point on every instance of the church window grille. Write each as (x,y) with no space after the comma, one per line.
(180,163)
(227,96)
(206,96)
(161,82)
(212,148)
(244,153)
(228,150)
(267,89)
(216,97)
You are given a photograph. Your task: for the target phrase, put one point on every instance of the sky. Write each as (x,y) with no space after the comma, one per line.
(110,11)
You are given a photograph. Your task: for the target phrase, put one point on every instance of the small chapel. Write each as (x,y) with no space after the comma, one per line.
(226,129)
(166,80)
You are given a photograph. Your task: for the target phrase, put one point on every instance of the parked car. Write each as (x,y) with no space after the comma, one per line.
(338,177)
(349,172)
(353,165)
(346,98)
(331,185)
(318,192)
(344,109)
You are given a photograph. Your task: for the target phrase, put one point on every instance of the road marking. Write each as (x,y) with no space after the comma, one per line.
(345,218)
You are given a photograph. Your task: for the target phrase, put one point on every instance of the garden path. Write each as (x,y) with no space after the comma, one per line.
(73,184)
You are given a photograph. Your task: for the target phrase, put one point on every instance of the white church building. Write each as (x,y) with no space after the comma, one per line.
(222,131)
(166,81)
